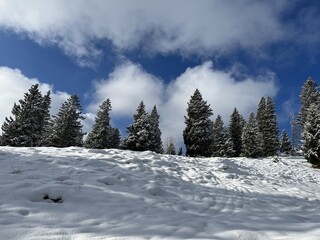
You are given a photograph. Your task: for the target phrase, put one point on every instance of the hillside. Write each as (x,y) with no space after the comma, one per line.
(75,193)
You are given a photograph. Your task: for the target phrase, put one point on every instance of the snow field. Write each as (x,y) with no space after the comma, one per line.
(76,193)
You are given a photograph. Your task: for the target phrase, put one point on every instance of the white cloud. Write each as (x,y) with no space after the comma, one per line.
(126,87)
(184,26)
(129,84)
(13,85)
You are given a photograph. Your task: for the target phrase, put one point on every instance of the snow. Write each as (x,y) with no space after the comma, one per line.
(76,194)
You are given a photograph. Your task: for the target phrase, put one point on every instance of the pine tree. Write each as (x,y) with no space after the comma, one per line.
(309,95)
(235,131)
(30,118)
(171,149)
(228,150)
(251,139)
(262,121)
(138,138)
(222,144)
(295,134)
(155,132)
(65,129)
(285,144)
(102,134)
(198,134)
(180,152)
(311,135)
(270,134)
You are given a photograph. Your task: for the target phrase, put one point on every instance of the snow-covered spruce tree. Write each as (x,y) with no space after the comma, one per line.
(309,95)
(295,134)
(218,138)
(102,134)
(251,139)
(138,138)
(285,144)
(198,134)
(236,125)
(271,133)
(171,149)
(262,120)
(30,116)
(65,129)
(222,145)
(268,126)
(155,132)
(180,151)
(311,135)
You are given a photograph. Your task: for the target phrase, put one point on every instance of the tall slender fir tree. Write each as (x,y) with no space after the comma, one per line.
(65,129)
(102,134)
(155,132)
(311,135)
(251,139)
(30,116)
(236,125)
(198,133)
(138,138)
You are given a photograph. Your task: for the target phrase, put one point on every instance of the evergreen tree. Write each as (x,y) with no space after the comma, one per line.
(114,138)
(295,134)
(270,134)
(103,135)
(309,95)
(262,120)
(311,135)
(218,138)
(31,116)
(155,132)
(65,129)
(198,134)
(285,144)
(138,138)
(228,150)
(268,126)
(222,144)
(235,131)
(251,139)
(180,152)
(171,149)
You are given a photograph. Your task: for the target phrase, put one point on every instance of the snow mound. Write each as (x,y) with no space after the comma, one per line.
(75,193)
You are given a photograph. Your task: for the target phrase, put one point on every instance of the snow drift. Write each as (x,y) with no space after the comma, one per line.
(75,193)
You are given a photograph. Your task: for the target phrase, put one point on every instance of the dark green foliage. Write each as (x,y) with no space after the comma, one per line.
(171,149)
(102,134)
(138,138)
(180,152)
(235,132)
(222,145)
(268,126)
(311,135)
(251,139)
(309,95)
(155,132)
(198,134)
(285,144)
(271,133)
(295,134)
(65,129)
(30,117)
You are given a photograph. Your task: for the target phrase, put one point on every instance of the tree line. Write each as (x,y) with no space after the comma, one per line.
(258,136)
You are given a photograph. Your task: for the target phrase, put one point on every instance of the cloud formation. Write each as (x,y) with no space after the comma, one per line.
(129,84)
(182,26)
(13,85)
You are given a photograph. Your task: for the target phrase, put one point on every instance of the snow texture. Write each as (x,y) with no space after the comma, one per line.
(75,194)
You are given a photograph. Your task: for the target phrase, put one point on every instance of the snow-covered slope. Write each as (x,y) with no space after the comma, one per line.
(75,193)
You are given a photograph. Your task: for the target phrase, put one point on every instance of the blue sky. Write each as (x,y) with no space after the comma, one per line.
(159,52)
